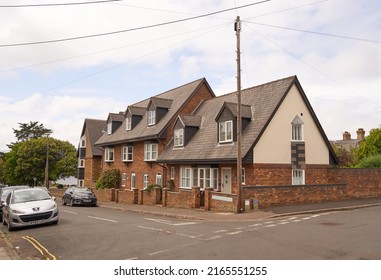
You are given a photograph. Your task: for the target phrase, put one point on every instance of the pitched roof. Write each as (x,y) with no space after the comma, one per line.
(264,101)
(95,130)
(190,120)
(173,100)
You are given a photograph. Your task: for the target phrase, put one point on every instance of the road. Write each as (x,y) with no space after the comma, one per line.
(87,233)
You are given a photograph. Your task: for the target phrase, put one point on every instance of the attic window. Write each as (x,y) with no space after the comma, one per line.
(152,117)
(109,128)
(128,123)
(225,131)
(297,129)
(179,137)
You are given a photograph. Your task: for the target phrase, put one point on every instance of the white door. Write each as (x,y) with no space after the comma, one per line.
(226,180)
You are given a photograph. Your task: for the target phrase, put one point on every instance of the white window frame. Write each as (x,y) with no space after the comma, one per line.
(151,151)
(151,117)
(81,183)
(133,180)
(298,177)
(109,128)
(297,132)
(128,123)
(145,181)
(83,143)
(158,179)
(123,179)
(172,173)
(109,154)
(224,135)
(179,137)
(127,153)
(243,176)
(185,177)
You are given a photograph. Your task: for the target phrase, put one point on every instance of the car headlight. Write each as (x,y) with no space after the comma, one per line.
(15,211)
(53,206)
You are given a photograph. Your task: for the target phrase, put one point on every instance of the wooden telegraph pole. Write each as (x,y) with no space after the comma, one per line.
(240,206)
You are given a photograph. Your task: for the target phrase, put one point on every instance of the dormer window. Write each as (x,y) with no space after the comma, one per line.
(152,117)
(179,137)
(109,128)
(225,131)
(128,123)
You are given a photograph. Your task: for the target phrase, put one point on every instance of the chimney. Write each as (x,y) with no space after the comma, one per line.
(346,136)
(360,134)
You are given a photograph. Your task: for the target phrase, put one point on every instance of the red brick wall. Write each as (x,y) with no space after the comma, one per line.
(270,174)
(182,199)
(127,196)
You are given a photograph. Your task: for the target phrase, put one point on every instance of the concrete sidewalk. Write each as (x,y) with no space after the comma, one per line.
(7,251)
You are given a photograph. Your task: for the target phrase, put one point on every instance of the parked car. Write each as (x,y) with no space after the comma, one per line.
(3,195)
(79,196)
(26,207)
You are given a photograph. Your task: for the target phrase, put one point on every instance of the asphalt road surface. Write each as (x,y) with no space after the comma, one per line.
(88,233)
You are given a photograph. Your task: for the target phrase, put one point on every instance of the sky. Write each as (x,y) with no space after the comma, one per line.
(60,64)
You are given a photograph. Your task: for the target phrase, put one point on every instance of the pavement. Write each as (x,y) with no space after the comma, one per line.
(7,252)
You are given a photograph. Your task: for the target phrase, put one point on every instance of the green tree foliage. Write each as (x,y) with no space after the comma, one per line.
(109,179)
(27,160)
(373,161)
(371,146)
(345,157)
(31,130)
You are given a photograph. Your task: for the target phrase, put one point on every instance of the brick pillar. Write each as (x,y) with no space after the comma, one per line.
(116,196)
(208,199)
(112,194)
(196,197)
(165,197)
(140,197)
(136,196)
(157,193)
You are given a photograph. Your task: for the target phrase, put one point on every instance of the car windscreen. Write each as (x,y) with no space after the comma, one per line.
(29,195)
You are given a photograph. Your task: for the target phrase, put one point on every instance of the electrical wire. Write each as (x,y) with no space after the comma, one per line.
(317,33)
(132,29)
(57,4)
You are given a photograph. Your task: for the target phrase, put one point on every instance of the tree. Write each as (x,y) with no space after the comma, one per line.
(345,157)
(371,146)
(31,130)
(109,179)
(27,160)
(373,161)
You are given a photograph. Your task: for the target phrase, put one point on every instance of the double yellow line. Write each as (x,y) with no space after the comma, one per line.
(43,251)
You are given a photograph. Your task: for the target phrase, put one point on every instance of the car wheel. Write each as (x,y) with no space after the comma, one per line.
(72,202)
(55,222)
(63,201)
(3,219)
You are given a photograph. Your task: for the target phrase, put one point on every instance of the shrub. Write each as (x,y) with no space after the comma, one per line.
(373,161)
(109,179)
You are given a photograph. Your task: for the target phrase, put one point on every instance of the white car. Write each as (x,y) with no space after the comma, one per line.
(28,207)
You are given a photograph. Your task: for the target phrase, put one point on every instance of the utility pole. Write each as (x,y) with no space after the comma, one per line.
(237,28)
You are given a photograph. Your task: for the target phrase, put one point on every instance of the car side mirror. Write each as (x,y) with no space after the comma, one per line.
(54,198)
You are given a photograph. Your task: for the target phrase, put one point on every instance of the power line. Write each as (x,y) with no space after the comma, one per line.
(57,4)
(132,29)
(317,33)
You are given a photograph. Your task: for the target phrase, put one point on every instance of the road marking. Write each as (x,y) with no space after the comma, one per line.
(70,212)
(234,232)
(103,219)
(255,225)
(43,251)
(159,252)
(212,238)
(134,258)
(284,223)
(171,223)
(270,226)
(220,231)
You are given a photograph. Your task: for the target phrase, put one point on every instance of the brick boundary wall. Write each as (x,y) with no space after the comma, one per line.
(127,196)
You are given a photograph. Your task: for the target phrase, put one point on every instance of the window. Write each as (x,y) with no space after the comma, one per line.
(225,131)
(179,137)
(127,152)
(158,179)
(109,154)
(128,123)
(133,180)
(214,178)
(81,183)
(151,117)
(185,177)
(297,129)
(145,181)
(172,173)
(243,176)
(83,143)
(109,128)
(124,178)
(150,152)
(298,177)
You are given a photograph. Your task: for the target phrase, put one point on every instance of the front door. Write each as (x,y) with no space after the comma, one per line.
(226,186)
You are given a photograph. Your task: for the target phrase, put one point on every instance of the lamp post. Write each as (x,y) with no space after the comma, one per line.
(47,163)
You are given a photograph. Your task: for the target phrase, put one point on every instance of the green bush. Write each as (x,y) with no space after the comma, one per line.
(373,161)
(109,179)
